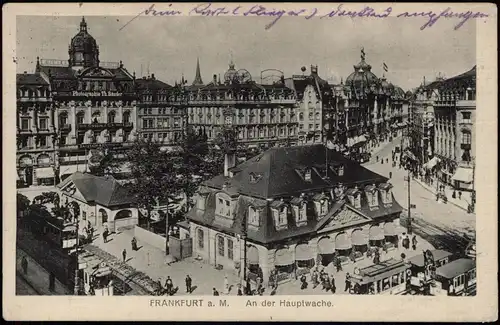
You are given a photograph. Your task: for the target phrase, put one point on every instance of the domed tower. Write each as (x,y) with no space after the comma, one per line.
(83,50)
(362,80)
(230,74)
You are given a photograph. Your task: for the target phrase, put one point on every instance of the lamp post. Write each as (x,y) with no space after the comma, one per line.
(76,213)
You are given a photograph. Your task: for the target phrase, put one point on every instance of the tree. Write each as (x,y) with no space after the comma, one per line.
(47,197)
(104,162)
(23,203)
(155,177)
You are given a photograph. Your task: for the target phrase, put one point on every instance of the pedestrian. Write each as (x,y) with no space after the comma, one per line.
(377,159)
(390,174)
(314,278)
(226,285)
(382,161)
(24,264)
(333,286)
(459,195)
(414,242)
(338,265)
(124,255)
(52,282)
(216,293)
(134,244)
(303,282)
(105,236)
(240,292)
(387,160)
(189,281)
(347,282)
(169,285)
(406,242)
(159,287)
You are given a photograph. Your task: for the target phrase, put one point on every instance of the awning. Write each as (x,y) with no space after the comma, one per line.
(342,242)
(283,257)
(303,253)
(326,246)
(463,175)
(70,169)
(432,163)
(376,233)
(358,238)
(389,229)
(44,172)
(252,255)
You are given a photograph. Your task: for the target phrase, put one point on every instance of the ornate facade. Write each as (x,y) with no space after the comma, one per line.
(455,116)
(262,115)
(36,130)
(373,106)
(296,207)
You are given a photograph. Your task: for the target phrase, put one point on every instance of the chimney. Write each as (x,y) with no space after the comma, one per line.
(153,76)
(25,72)
(229,162)
(215,79)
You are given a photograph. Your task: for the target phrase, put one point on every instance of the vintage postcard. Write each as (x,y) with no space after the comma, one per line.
(253,161)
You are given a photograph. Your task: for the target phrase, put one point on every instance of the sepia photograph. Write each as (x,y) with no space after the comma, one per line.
(204,154)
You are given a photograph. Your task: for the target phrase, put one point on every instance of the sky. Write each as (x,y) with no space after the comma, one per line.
(170,46)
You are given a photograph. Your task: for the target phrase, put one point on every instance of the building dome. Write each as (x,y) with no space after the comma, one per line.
(399,92)
(362,80)
(83,49)
(386,87)
(230,74)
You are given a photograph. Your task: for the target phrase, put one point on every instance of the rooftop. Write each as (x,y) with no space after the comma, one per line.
(105,191)
(455,268)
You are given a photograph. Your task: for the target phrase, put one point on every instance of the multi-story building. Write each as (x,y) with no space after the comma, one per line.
(421,127)
(294,207)
(69,107)
(36,130)
(371,106)
(316,110)
(262,115)
(455,116)
(160,117)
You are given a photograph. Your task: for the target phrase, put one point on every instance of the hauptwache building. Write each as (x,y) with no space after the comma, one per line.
(69,107)
(296,207)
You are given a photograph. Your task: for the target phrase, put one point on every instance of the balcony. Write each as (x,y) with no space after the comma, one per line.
(465,146)
(466,104)
(65,127)
(101,126)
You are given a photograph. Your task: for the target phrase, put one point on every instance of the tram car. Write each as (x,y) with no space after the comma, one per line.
(54,230)
(457,278)
(97,275)
(422,269)
(388,277)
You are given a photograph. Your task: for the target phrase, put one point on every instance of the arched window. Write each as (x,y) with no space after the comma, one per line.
(63,119)
(43,160)
(96,117)
(111,117)
(253,216)
(301,116)
(126,117)
(201,238)
(80,118)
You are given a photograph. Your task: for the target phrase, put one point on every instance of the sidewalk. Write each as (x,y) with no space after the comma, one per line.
(293,287)
(38,277)
(153,262)
(460,203)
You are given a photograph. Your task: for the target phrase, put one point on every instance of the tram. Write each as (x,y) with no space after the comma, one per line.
(388,277)
(457,278)
(422,270)
(55,230)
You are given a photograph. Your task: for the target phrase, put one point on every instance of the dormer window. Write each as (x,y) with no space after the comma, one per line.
(280,215)
(254,178)
(354,197)
(371,196)
(253,216)
(340,170)
(307,175)
(323,207)
(224,207)
(386,193)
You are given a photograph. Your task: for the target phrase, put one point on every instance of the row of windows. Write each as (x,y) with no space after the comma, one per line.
(29,142)
(271,132)
(152,123)
(158,110)
(221,244)
(240,119)
(30,93)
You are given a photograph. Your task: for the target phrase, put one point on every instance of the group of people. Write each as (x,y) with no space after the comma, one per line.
(327,281)
(169,289)
(406,242)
